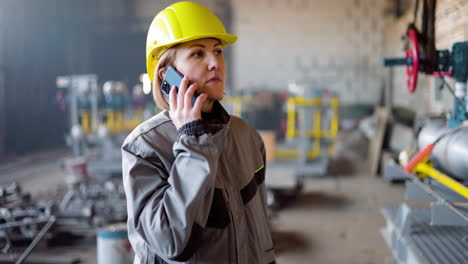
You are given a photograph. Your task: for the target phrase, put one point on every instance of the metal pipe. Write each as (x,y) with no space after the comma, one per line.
(450,154)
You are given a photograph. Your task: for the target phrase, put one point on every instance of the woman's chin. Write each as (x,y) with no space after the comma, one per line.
(217,97)
(215,94)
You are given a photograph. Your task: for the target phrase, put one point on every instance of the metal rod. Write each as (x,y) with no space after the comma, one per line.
(21,223)
(426,188)
(460,102)
(36,240)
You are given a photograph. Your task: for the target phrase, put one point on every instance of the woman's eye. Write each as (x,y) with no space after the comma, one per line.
(197,54)
(218,52)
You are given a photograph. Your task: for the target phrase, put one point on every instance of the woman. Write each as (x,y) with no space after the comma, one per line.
(193,175)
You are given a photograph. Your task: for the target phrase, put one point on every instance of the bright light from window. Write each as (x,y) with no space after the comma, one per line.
(144,78)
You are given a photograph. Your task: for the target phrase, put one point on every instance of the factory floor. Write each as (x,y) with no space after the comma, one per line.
(336,219)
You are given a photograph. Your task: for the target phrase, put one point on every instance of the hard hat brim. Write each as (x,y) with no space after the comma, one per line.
(226,40)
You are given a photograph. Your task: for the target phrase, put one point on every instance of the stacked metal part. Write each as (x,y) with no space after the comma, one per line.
(20,219)
(83,209)
(88,206)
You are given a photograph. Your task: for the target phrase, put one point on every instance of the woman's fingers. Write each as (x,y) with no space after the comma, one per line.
(182,110)
(181,92)
(189,95)
(199,102)
(173,98)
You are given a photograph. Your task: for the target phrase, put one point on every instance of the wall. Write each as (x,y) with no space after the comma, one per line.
(2,114)
(2,86)
(39,40)
(451,22)
(136,15)
(331,44)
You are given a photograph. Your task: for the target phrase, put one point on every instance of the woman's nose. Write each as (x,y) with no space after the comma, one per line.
(213,63)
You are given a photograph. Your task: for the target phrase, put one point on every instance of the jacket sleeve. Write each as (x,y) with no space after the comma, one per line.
(169,209)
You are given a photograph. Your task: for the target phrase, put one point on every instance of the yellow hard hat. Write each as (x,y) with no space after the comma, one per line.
(179,23)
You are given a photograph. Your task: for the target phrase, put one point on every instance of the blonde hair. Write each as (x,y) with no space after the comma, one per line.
(166,60)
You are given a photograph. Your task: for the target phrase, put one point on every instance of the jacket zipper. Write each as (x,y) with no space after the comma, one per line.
(226,190)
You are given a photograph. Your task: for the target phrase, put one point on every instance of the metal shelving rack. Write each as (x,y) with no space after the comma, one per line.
(438,234)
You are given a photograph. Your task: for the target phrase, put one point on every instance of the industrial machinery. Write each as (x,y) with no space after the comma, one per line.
(311,129)
(87,205)
(100,119)
(20,219)
(438,170)
(84,208)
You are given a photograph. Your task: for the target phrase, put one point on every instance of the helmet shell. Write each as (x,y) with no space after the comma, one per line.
(179,23)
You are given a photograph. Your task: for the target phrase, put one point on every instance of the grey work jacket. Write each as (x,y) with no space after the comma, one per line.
(196,198)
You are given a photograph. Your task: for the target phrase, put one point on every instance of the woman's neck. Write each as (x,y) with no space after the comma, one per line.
(207,106)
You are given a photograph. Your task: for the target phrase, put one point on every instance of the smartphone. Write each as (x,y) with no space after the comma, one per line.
(171,78)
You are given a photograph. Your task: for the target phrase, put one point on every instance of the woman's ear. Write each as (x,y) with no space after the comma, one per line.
(161,73)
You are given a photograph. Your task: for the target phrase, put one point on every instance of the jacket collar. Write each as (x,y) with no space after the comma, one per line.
(217,115)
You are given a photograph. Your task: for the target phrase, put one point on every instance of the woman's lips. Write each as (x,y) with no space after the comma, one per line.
(214,79)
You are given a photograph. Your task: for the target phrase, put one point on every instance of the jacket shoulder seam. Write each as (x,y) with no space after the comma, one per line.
(134,136)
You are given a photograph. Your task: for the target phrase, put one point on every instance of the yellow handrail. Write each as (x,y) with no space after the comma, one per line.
(237,102)
(316,133)
(85,121)
(111,120)
(291,121)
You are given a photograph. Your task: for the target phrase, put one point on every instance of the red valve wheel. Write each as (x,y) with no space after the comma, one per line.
(413,53)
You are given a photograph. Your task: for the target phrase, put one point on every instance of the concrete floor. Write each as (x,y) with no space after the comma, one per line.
(335,220)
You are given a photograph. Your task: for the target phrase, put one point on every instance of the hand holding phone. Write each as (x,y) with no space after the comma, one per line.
(171,78)
(182,109)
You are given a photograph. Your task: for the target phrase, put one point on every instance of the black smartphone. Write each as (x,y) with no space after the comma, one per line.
(171,78)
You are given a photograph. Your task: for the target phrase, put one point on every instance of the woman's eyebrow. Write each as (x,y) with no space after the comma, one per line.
(197,45)
(203,46)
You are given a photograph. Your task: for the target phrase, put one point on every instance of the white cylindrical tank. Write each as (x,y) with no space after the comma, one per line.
(113,246)
(451,153)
